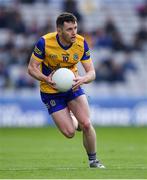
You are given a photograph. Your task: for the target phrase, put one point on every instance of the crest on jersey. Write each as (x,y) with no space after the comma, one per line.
(75,57)
(65,57)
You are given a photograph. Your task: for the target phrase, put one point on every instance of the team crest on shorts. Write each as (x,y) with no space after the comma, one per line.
(52,103)
(75,57)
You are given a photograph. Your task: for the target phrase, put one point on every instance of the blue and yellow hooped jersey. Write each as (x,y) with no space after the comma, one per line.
(53,55)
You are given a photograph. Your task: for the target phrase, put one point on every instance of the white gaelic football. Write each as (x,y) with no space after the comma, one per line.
(63,78)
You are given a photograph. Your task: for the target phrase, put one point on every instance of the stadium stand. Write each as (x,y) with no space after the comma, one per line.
(21,23)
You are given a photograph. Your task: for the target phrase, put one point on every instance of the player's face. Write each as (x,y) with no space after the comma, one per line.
(68,33)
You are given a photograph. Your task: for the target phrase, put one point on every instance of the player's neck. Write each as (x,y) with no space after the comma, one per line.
(63,42)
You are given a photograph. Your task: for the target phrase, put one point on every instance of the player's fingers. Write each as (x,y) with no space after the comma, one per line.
(52,84)
(76,85)
(52,72)
(77,78)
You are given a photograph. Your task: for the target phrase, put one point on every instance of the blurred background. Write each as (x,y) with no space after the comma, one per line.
(116,31)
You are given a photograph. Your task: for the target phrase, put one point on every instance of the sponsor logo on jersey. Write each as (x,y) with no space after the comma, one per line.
(53,56)
(88,53)
(37,51)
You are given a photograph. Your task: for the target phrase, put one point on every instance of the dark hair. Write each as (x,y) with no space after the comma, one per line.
(65,17)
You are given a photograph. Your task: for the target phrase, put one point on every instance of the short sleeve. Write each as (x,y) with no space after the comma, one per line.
(86,55)
(39,50)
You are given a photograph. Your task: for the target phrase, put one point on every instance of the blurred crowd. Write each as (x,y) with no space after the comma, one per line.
(18,38)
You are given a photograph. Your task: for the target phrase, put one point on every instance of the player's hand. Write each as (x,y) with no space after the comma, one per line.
(49,80)
(79,80)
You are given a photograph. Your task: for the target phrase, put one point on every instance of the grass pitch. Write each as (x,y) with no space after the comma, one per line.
(44,153)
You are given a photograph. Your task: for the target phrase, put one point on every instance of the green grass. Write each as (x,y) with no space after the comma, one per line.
(44,153)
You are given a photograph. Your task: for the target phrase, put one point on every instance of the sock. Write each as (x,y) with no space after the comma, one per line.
(91,157)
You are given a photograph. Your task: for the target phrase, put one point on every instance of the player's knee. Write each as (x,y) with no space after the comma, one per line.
(86,126)
(69,133)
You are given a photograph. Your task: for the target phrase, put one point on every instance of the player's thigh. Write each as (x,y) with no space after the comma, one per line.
(63,121)
(80,108)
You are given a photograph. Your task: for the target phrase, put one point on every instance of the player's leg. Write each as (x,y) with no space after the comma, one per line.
(57,108)
(80,109)
(64,122)
(75,121)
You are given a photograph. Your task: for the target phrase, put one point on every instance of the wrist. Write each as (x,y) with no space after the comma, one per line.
(44,78)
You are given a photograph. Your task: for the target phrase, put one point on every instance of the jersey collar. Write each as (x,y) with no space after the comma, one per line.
(61,45)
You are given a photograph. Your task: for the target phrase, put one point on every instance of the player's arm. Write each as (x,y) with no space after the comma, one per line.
(35,61)
(34,71)
(88,77)
(90,72)
(89,69)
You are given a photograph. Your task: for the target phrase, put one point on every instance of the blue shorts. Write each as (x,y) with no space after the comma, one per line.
(58,101)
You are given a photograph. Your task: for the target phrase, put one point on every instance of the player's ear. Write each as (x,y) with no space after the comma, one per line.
(59,30)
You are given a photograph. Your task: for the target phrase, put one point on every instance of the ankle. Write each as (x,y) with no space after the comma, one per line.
(91,157)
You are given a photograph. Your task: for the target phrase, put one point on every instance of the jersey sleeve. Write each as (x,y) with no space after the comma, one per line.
(86,56)
(39,50)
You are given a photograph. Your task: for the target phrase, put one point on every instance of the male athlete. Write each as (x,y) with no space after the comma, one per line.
(65,48)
